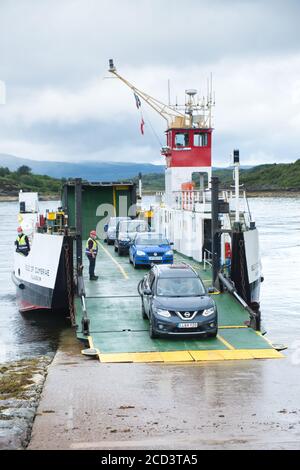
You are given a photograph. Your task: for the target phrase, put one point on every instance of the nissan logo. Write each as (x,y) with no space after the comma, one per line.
(187,314)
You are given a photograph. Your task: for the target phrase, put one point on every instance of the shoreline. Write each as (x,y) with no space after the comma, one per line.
(279,193)
(21,385)
(42,197)
(250,194)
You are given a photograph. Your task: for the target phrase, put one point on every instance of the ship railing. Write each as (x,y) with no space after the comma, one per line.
(245,214)
(207,258)
(159,197)
(192,200)
(85,321)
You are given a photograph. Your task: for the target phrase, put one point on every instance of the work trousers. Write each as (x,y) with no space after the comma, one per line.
(92,262)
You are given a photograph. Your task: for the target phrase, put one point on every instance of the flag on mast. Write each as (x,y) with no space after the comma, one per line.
(142,126)
(137,101)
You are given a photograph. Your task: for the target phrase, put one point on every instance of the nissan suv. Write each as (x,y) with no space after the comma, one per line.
(176,302)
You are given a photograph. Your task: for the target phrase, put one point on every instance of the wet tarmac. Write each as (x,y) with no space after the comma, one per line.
(233,405)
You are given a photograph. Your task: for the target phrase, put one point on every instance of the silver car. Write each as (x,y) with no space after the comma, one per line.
(111,228)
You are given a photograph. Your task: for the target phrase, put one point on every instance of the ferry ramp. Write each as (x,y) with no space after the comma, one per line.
(118,332)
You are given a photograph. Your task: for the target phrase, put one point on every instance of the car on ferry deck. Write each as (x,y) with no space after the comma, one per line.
(126,232)
(111,229)
(176,302)
(148,248)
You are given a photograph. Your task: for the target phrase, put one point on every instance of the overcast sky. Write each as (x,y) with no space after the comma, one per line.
(59,105)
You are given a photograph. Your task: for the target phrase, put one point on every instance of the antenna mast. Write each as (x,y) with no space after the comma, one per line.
(194,113)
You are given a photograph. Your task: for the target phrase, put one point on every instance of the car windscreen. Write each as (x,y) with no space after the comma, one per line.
(151,241)
(180,287)
(113,221)
(133,226)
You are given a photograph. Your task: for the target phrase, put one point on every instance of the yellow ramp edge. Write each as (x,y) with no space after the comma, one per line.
(213,355)
(190,356)
(266,354)
(176,356)
(236,354)
(147,357)
(116,357)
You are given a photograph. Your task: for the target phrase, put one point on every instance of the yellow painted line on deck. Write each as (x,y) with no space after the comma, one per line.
(121,269)
(91,342)
(228,327)
(190,356)
(91,346)
(228,345)
(263,336)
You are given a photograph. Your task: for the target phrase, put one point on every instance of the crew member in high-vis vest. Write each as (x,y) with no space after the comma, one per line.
(22,242)
(91,251)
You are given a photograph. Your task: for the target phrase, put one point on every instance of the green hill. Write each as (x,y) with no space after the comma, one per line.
(274,177)
(277,177)
(12,181)
(271,177)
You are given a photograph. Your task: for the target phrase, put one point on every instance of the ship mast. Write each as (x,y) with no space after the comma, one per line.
(194,113)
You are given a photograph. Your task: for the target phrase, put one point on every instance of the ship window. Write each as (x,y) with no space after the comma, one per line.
(200,139)
(181,139)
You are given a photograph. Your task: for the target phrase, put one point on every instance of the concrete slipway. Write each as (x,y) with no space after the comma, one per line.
(215,404)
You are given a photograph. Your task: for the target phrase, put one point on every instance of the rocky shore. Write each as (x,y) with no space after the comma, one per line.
(42,197)
(21,384)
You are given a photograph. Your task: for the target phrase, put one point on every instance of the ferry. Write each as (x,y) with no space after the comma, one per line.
(210,228)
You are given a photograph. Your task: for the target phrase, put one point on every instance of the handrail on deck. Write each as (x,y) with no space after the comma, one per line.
(189,199)
(207,259)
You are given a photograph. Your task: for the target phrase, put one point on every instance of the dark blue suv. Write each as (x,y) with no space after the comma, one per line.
(176,302)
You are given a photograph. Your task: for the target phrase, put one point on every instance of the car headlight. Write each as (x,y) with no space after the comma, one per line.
(140,253)
(162,313)
(169,253)
(208,311)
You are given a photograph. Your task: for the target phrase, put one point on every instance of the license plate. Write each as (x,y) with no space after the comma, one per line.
(187,325)
(155,258)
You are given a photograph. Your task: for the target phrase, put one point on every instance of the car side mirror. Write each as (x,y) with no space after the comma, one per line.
(171,244)
(147,291)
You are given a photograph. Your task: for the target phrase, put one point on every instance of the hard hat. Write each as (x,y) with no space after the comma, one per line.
(93,233)
(19,229)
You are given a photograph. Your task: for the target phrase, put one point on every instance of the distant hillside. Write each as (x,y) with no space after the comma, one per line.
(88,170)
(271,177)
(12,181)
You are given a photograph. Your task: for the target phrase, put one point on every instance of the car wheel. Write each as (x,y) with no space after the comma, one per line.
(144,314)
(152,333)
(120,252)
(116,248)
(109,242)
(135,265)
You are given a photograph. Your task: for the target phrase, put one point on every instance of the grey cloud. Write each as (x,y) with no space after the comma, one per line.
(68,41)
(63,44)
